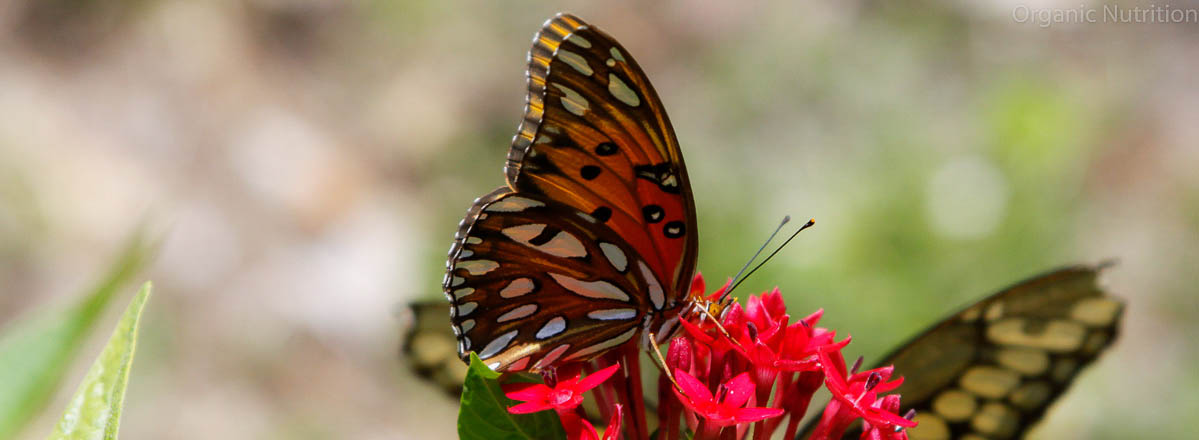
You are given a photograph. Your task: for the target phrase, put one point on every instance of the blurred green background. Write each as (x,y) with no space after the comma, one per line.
(309,160)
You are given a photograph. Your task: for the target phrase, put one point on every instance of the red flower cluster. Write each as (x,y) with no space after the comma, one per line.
(755,368)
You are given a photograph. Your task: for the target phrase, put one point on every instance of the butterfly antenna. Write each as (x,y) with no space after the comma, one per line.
(662,362)
(807,225)
(759,252)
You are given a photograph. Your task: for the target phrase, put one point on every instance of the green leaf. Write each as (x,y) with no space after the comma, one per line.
(35,352)
(95,411)
(483,413)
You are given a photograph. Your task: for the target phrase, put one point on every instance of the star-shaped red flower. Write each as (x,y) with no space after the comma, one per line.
(564,396)
(725,408)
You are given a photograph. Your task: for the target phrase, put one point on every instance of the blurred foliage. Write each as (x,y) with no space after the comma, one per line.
(36,352)
(95,411)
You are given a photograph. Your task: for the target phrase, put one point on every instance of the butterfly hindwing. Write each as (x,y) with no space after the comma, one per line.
(993,369)
(596,137)
(532,282)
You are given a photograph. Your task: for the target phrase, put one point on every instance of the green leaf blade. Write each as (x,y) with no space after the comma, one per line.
(36,352)
(483,411)
(95,411)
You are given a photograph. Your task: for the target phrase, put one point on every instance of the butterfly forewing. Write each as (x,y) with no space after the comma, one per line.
(533,282)
(593,240)
(992,370)
(596,137)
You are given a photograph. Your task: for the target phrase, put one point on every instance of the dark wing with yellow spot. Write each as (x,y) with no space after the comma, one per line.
(992,370)
(430,348)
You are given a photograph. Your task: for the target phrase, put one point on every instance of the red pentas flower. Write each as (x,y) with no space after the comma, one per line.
(856,395)
(726,407)
(564,396)
(733,370)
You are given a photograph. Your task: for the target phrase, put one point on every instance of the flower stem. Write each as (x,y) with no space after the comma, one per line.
(632,365)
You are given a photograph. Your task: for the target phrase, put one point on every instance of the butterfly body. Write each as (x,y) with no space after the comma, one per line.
(592,242)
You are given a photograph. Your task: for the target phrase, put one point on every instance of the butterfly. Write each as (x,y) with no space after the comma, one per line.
(592,241)
(991,370)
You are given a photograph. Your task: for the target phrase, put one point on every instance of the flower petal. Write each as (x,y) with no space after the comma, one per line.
(525,391)
(740,389)
(744,415)
(692,387)
(529,407)
(612,431)
(595,379)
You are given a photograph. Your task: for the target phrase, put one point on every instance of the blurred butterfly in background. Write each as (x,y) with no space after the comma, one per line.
(592,244)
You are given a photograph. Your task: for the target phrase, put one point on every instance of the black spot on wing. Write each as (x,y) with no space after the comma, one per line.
(589,172)
(674,229)
(663,174)
(602,214)
(653,213)
(545,236)
(605,149)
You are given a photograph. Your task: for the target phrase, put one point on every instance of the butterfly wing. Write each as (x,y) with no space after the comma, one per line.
(596,137)
(594,237)
(993,369)
(532,282)
(428,346)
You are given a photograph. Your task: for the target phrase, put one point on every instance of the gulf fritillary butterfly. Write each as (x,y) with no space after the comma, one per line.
(592,242)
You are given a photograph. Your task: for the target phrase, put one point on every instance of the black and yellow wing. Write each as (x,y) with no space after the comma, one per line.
(992,370)
(430,348)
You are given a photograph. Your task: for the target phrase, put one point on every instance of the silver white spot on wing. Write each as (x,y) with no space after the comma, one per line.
(465,309)
(512,204)
(621,91)
(497,345)
(474,240)
(518,313)
(551,357)
(578,40)
(552,328)
(616,54)
(520,364)
(656,295)
(563,244)
(615,256)
(573,101)
(604,345)
(467,325)
(599,289)
(517,287)
(478,267)
(612,314)
(576,61)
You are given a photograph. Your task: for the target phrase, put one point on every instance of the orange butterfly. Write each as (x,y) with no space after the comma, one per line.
(592,242)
